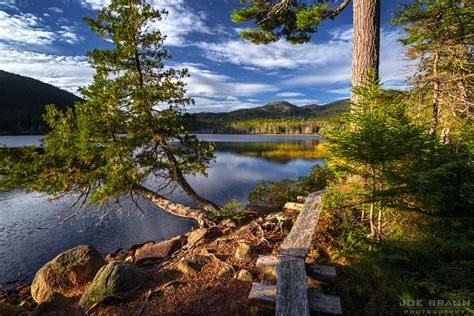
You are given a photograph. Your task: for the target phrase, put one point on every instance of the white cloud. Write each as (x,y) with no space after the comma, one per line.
(312,64)
(27,29)
(180,21)
(207,83)
(10,4)
(290,94)
(66,72)
(56,10)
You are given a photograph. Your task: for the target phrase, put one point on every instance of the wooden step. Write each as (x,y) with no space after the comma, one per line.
(266,265)
(264,296)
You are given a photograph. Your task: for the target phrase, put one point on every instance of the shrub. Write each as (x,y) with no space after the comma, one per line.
(233,210)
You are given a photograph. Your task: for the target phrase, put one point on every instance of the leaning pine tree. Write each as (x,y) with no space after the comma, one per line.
(127,132)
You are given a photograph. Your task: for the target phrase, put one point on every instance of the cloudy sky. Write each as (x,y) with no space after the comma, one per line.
(47,40)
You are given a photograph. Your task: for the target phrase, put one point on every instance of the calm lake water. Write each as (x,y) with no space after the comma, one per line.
(242,161)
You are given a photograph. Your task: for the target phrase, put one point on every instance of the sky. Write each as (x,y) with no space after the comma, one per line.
(47,40)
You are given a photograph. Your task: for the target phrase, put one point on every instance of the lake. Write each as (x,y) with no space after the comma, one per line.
(29,237)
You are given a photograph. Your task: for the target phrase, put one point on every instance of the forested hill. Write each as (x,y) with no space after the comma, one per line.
(23,101)
(273,118)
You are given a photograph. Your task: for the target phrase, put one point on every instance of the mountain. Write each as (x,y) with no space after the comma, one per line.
(23,101)
(227,122)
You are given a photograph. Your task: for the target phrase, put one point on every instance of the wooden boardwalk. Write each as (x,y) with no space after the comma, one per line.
(291,295)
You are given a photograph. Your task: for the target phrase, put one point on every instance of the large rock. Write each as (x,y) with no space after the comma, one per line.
(67,274)
(116,280)
(54,305)
(157,251)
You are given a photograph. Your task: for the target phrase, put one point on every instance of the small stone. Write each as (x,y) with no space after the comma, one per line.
(244,251)
(157,251)
(193,264)
(228,223)
(129,259)
(196,237)
(54,304)
(226,271)
(245,276)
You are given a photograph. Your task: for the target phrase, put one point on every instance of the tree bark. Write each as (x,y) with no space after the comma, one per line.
(183,183)
(174,208)
(435,104)
(366,40)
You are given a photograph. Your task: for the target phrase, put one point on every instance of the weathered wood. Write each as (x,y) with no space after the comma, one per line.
(293,206)
(265,296)
(292,289)
(299,239)
(266,265)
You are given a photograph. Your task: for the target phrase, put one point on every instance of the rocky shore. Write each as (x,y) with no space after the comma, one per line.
(209,270)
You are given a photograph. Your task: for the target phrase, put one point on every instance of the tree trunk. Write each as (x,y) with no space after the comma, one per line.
(435,104)
(366,40)
(174,208)
(371,220)
(379,225)
(183,183)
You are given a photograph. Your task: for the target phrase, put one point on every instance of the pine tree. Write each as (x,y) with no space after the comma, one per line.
(439,34)
(297,20)
(127,132)
(382,141)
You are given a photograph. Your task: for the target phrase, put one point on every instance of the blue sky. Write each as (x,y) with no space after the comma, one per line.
(46,40)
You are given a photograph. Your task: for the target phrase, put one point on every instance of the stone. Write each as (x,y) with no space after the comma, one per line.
(67,274)
(9,310)
(228,223)
(54,304)
(116,280)
(244,251)
(245,276)
(196,237)
(157,251)
(226,271)
(193,264)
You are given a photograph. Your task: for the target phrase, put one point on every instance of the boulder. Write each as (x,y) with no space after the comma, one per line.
(67,274)
(244,251)
(157,251)
(245,276)
(116,280)
(193,264)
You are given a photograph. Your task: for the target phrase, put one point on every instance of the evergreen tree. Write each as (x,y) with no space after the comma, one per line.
(124,133)
(382,141)
(439,34)
(297,20)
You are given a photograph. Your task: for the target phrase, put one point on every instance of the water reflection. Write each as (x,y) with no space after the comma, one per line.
(241,163)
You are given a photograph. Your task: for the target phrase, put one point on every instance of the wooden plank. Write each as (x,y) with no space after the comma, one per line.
(266,265)
(321,272)
(292,289)
(299,239)
(293,206)
(265,295)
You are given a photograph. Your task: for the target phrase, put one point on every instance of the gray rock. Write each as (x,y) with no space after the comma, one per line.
(67,274)
(244,251)
(54,304)
(193,264)
(157,251)
(228,223)
(117,280)
(226,271)
(245,276)
(196,237)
